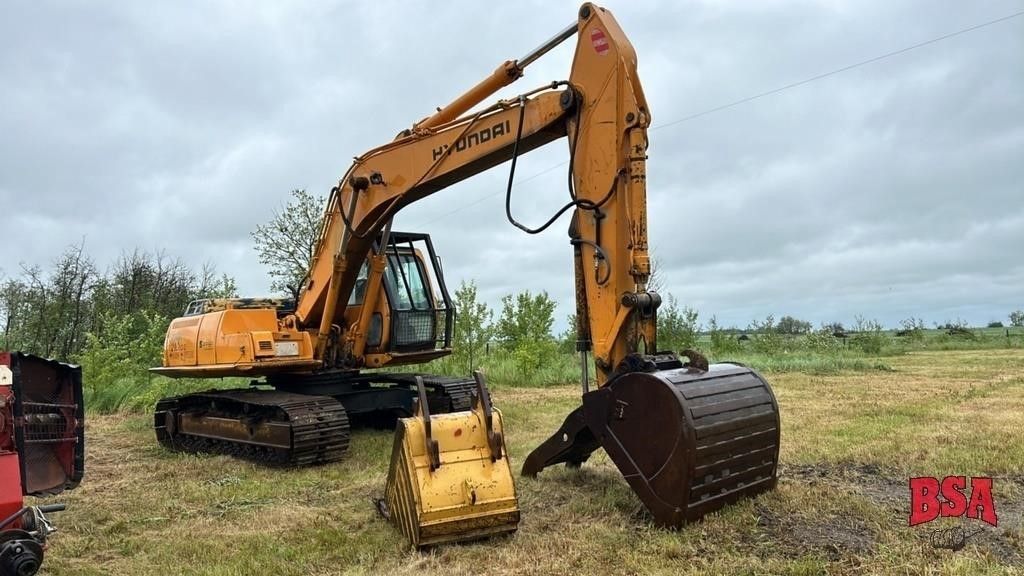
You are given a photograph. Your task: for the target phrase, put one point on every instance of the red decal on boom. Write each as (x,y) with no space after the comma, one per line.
(599,41)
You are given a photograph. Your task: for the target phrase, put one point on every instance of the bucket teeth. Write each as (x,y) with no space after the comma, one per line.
(573,444)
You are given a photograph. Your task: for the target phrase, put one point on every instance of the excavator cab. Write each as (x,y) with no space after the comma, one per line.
(410,321)
(413,315)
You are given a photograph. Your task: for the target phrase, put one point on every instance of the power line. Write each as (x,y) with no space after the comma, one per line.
(482,198)
(757,96)
(837,71)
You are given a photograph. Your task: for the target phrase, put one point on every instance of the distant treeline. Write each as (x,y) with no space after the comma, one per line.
(51,312)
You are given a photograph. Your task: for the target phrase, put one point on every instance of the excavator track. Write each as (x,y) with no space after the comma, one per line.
(269,427)
(444,393)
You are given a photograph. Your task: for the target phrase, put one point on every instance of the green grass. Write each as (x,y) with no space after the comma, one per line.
(929,339)
(808,362)
(851,438)
(502,369)
(141,393)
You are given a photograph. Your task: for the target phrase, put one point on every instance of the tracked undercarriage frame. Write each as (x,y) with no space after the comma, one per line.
(304,421)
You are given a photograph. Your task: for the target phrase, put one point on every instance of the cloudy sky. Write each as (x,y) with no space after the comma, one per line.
(891,190)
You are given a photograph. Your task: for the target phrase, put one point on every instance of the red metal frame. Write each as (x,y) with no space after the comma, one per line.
(10,468)
(10,486)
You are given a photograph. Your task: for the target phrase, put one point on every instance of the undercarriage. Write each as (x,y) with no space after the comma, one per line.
(303,419)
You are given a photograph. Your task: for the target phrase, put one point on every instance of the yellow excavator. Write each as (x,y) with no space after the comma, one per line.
(688,437)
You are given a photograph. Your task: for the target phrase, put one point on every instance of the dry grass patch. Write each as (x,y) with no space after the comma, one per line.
(850,440)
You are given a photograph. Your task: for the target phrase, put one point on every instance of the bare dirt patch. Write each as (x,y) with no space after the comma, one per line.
(886,488)
(889,492)
(834,538)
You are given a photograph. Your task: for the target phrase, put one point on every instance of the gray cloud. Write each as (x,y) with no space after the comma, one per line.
(890,190)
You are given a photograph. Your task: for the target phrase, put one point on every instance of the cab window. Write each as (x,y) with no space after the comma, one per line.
(405,277)
(359,290)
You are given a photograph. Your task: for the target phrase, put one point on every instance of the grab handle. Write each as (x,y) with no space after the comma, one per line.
(483,398)
(433,450)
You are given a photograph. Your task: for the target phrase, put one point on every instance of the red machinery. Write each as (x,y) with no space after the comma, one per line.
(42,452)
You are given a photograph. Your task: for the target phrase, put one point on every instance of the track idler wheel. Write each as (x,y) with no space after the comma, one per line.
(688,441)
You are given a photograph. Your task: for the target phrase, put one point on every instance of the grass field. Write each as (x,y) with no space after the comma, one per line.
(850,441)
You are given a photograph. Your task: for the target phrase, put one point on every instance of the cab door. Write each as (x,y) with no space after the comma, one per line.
(413,310)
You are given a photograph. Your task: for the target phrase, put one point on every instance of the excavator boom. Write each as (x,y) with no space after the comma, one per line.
(602,110)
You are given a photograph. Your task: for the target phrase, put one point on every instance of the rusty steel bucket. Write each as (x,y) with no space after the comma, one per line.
(688,441)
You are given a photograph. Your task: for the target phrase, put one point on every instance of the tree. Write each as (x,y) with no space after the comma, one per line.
(525,318)
(912,324)
(157,282)
(835,328)
(14,309)
(656,281)
(51,312)
(868,336)
(764,336)
(71,284)
(792,326)
(48,313)
(525,329)
(677,327)
(473,328)
(567,339)
(212,285)
(1017,318)
(285,244)
(912,329)
(722,342)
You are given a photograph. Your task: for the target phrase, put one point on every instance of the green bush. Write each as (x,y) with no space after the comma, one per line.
(722,342)
(512,368)
(912,331)
(115,365)
(117,361)
(869,337)
(822,342)
(473,327)
(532,355)
(764,338)
(524,329)
(677,327)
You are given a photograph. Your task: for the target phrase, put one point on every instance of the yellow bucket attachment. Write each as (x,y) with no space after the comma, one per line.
(450,479)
